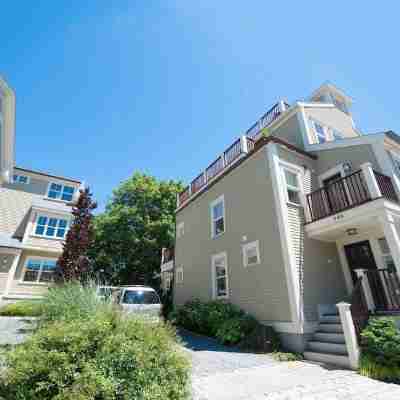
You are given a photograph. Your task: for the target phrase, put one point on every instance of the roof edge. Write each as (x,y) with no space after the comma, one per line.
(48,175)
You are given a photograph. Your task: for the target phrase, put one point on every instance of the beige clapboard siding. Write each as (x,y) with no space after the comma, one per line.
(14,207)
(3,282)
(44,243)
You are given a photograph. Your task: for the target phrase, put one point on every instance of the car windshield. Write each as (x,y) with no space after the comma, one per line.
(140,297)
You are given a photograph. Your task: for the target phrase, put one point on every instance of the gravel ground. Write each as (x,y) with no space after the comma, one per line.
(223,373)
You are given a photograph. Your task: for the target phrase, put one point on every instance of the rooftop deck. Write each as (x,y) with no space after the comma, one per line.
(233,153)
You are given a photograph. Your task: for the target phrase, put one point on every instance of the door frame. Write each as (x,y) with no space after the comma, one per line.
(372,237)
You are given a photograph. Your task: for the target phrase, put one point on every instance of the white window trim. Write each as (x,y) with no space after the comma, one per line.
(37,283)
(49,216)
(63,184)
(212,205)
(28,179)
(247,246)
(179,271)
(180,230)
(300,176)
(214,275)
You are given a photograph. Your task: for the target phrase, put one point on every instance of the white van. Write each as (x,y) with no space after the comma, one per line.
(141,300)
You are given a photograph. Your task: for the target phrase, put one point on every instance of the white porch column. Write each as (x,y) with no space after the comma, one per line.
(366,288)
(392,238)
(370,180)
(11,272)
(350,335)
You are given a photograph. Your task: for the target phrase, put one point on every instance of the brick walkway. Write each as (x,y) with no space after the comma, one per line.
(221,373)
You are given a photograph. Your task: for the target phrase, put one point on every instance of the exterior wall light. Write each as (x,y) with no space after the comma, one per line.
(352,231)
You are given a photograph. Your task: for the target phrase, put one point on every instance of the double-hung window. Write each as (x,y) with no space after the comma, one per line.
(220,276)
(217,217)
(51,227)
(20,179)
(39,271)
(60,192)
(292,185)
(251,253)
(386,255)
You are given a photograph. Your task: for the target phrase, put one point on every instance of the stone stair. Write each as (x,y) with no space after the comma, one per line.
(328,343)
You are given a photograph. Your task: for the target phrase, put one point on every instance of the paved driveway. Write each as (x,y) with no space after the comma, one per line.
(221,373)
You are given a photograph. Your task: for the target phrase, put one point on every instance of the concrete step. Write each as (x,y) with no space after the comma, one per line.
(329,337)
(334,359)
(330,319)
(330,328)
(324,347)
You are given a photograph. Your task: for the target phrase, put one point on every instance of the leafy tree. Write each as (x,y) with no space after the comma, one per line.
(74,262)
(138,221)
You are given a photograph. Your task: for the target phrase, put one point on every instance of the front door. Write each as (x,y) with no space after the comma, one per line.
(359,256)
(335,195)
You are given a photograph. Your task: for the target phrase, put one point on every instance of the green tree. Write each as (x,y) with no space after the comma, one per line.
(138,221)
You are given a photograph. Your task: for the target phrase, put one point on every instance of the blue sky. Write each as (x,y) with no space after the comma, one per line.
(105,88)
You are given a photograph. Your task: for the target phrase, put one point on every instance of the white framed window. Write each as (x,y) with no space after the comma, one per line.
(21,179)
(179,275)
(220,276)
(180,229)
(217,209)
(251,254)
(39,270)
(386,255)
(291,180)
(396,161)
(59,191)
(319,131)
(51,227)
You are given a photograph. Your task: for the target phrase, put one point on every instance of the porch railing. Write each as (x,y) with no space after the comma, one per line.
(358,307)
(241,146)
(385,288)
(346,193)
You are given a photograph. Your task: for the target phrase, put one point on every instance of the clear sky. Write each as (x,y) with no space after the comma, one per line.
(105,88)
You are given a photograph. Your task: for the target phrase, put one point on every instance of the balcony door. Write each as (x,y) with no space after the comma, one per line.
(359,256)
(336,195)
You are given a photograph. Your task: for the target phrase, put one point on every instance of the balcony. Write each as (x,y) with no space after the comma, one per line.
(229,157)
(351,191)
(233,153)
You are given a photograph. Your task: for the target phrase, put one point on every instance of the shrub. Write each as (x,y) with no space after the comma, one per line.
(282,356)
(222,320)
(22,309)
(103,358)
(71,301)
(381,350)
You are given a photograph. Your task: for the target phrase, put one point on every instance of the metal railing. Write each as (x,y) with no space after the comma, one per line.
(229,156)
(386,186)
(271,115)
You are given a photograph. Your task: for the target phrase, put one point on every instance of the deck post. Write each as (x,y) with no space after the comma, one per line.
(370,180)
(350,335)
(367,289)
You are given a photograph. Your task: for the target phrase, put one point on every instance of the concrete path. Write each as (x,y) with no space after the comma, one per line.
(13,330)
(221,373)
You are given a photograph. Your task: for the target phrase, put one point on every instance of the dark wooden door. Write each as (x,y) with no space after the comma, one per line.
(359,256)
(336,196)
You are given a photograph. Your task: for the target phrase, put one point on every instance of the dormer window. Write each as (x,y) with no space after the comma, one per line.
(58,191)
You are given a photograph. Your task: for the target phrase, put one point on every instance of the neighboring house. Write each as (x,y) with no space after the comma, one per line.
(289,217)
(35,213)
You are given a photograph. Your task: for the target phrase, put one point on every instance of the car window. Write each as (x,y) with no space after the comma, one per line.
(140,297)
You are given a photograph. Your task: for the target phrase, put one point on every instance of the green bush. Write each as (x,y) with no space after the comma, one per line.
(282,356)
(228,323)
(71,301)
(104,358)
(381,350)
(22,309)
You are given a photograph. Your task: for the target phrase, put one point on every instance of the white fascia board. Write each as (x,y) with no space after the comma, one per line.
(337,144)
(315,105)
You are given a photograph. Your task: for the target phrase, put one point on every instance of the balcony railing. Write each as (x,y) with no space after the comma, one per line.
(346,193)
(271,115)
(241,146)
